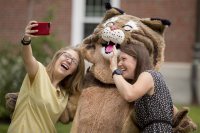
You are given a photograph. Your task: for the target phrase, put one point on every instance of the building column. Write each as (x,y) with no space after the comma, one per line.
(78,10)
(195,79)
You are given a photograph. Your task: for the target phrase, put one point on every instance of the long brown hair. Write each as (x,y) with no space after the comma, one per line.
(141,54)
(72,83)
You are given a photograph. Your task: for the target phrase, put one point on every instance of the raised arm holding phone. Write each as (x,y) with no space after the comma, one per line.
(45,91)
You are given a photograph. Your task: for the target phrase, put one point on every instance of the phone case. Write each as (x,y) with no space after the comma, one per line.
(43,28)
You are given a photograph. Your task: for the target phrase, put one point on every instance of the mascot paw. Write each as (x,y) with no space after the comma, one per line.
(182,123)
(11,99)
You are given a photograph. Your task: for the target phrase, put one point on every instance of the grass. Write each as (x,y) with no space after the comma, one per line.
(61,128)
(3,127)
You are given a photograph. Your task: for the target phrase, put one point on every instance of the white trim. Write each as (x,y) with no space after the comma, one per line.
(78,19)
(115,3)
(92,19)
(78,8)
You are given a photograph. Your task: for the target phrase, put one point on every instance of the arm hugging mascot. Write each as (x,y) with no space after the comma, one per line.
(100,107)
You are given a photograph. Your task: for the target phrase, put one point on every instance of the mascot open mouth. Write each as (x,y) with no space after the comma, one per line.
(109,46)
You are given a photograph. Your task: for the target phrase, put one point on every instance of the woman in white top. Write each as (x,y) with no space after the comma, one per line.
(44,92)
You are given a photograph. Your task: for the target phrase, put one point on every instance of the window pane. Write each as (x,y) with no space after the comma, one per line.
(89,28)
(95,7)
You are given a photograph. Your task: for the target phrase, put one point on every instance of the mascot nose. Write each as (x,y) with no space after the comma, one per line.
(113,27)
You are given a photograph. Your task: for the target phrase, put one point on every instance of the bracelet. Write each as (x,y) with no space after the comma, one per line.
(24,42)
(117,72)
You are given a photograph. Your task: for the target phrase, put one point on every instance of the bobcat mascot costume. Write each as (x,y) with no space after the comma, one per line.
(101,109)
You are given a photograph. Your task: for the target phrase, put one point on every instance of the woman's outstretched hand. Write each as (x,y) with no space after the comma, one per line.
(29,31)
(113,59)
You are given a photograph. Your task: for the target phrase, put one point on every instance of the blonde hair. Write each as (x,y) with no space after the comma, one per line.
(72,83)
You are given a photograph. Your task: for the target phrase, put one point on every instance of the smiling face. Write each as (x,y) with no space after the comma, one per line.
(67,67)
(127,64)
(67,63)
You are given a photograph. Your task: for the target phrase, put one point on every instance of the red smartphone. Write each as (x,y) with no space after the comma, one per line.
(43,28)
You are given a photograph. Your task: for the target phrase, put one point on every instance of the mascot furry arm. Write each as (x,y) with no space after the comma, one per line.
(100,107)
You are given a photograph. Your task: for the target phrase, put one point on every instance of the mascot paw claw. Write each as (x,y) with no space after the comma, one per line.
(182,123)
(11,99)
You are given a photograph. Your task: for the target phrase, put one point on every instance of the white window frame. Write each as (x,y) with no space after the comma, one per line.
(79,18)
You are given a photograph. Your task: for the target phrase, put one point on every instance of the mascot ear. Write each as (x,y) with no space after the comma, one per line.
(111,11)
(156,24)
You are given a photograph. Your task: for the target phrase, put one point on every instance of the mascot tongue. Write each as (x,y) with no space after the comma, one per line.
(109,47)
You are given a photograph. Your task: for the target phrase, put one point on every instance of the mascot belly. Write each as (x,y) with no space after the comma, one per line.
(101,109)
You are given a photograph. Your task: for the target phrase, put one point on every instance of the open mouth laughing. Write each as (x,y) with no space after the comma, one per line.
(109,46)
(65,66)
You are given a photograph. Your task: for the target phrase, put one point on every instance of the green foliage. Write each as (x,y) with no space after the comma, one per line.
(12,72)
(50,14)
(3,127)
(45,47)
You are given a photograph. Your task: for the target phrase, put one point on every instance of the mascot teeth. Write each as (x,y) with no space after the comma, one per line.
(116,36)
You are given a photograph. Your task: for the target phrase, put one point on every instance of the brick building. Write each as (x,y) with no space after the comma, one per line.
(74,19)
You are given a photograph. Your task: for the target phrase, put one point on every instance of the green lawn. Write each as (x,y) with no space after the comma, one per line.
(194,114)
(61,128)
(3,128)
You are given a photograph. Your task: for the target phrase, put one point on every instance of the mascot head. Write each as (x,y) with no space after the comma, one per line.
(118,28)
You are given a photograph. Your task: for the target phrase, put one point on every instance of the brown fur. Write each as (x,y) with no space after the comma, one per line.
(102,109)
(182,123)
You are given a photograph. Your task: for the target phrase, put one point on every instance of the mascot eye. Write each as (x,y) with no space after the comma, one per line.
(90,46)
(127,27)
(109,24)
